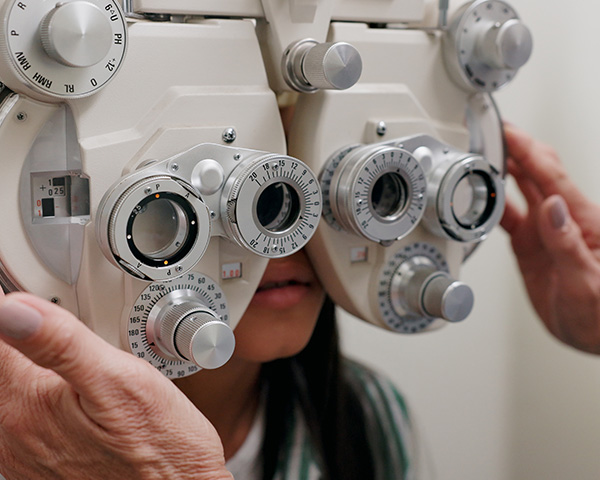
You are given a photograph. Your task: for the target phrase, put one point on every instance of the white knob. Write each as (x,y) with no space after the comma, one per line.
(76,34)
(208,176)
(192,332)
(508,46)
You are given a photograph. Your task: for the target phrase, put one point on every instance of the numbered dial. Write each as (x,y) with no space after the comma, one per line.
(272,205)
(64,49)
(181,326)
(377,192)
(415,289)
(486,45)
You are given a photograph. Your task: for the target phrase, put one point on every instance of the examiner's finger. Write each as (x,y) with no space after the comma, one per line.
(54,339)
(512,218)
(562,237)
(541,164)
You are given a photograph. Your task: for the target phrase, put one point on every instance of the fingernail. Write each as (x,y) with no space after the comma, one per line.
(18,320)
(559,213)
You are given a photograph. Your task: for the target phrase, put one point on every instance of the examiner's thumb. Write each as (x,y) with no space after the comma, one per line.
(561,235)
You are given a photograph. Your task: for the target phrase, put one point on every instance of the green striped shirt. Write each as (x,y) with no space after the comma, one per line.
(388,428)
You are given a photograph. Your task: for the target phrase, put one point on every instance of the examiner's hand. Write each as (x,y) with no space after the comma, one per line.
(557,243)
(72,406)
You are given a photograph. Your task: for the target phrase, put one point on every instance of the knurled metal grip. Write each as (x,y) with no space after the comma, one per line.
(308,65)
(193,333)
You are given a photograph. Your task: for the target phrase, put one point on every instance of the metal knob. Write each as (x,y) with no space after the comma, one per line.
(508,46)
(418,287)
(76,34)
(192,332)
(444,297)
(309,66)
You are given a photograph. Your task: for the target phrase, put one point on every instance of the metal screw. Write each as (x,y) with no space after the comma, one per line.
(55,300)
(175,167)
(148,191)
(237,156)
(381,128)
(275,248)
(178,268)
(229,135)
(21,116)
(213,214)
(275,166)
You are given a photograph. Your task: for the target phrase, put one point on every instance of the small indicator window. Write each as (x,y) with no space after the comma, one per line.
(58,182)
(48,207)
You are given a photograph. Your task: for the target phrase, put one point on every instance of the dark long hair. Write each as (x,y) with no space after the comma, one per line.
(314,380)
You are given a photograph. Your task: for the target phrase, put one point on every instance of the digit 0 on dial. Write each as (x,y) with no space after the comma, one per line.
(377,192)
(181,326)
(64,49)
(272,205)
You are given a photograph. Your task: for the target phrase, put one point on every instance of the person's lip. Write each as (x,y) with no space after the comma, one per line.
(283,285)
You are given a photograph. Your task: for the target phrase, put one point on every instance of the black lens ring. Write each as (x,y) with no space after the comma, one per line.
(192,224)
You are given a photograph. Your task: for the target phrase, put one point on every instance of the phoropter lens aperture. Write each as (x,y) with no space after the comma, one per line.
(389,196)
(473,200)
(162,229)
(278,207)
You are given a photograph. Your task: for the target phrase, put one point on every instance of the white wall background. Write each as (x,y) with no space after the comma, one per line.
(498,398)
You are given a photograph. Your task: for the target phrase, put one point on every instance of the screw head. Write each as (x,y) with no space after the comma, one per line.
(178,268)
(55,300)
(21,116)
(237,156)
(229,135)
(381,128)
(175,167)
(147,190)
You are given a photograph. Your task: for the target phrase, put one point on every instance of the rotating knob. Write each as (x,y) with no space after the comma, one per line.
(309,66)
(76,34)
(507,46)
(444,297)
(192,332)
(419,288)
(486,44)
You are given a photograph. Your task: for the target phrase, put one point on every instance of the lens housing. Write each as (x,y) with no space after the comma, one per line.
(466,199)
(375,191)
(271,205)
(156,228)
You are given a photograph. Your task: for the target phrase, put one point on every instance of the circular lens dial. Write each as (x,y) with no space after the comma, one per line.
(156,228)
(377,192)
(272,206)
(181,326)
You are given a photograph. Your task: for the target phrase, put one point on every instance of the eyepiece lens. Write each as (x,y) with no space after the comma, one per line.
(160,228)
(278,207)
(389,196)
(472,200)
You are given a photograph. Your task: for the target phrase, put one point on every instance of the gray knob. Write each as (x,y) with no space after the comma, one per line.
(418,287)
(334,66)
(76,34)
(192,332)
(444,297)
(508,46)
(309,66)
